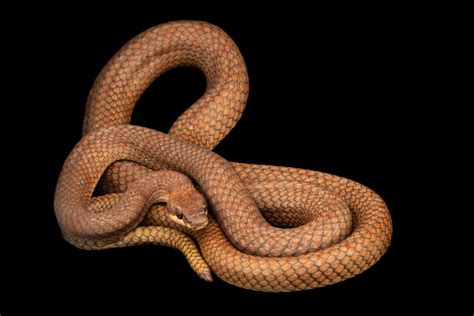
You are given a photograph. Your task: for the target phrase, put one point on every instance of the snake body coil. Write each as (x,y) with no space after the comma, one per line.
(275,228)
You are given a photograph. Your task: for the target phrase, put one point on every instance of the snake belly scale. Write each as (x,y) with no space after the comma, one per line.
(270,228)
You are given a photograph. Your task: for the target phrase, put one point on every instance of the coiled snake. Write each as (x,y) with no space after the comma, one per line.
(275,228)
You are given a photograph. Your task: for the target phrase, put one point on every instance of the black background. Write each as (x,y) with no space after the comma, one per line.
(339,90)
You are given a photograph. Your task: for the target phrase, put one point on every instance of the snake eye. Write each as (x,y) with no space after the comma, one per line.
(179,214)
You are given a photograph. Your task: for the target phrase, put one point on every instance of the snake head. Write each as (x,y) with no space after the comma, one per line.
(187,208)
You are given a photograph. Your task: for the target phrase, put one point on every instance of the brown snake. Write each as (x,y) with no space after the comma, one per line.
(276,229)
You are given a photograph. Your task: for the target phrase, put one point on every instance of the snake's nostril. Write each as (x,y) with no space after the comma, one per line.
(179,214)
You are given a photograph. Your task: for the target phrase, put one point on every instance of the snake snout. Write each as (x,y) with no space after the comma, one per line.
(192,219)
(197,221)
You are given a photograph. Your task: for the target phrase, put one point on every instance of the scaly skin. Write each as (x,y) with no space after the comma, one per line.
(354,228)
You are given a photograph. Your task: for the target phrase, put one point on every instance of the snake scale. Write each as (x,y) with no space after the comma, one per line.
(270,228)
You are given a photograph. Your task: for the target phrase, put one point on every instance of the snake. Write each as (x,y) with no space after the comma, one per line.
(270,228)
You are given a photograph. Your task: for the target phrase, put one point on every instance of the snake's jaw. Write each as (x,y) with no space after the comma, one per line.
(198,221)
(194,220)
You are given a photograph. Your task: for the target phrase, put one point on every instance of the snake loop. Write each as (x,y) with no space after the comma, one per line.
(275,228)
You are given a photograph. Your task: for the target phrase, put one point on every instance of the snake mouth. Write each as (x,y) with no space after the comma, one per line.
(199,226)
(194,222)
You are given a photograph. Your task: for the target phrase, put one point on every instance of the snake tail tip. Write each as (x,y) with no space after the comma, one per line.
(207,276)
